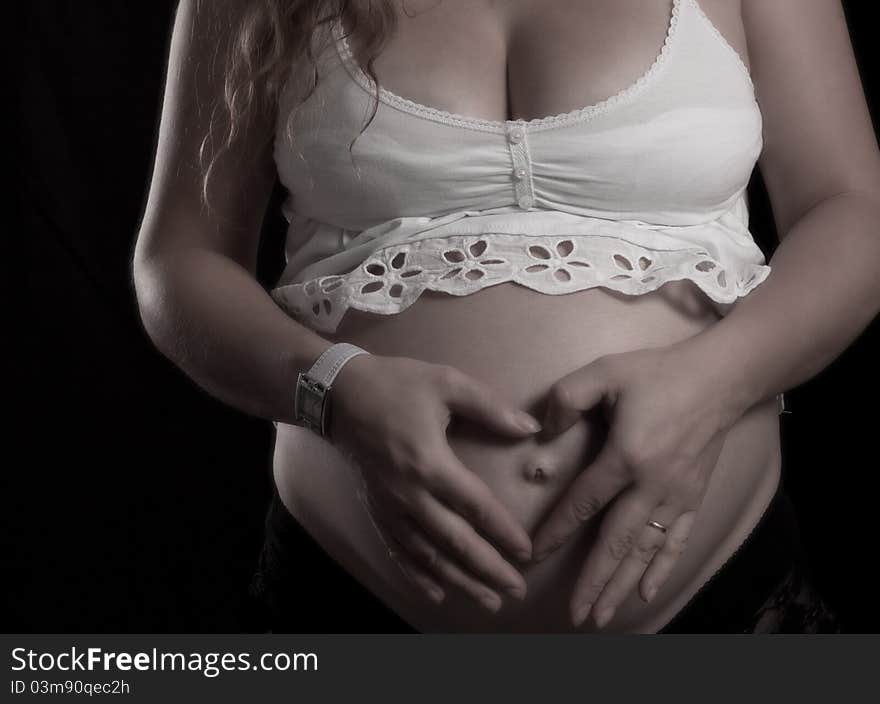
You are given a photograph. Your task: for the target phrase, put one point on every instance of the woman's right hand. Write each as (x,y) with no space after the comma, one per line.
(389,416)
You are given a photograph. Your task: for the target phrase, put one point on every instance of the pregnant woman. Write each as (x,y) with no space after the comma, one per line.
(503,212)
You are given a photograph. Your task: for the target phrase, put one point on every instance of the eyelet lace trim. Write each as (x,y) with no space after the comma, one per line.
(344,50)
(392,278)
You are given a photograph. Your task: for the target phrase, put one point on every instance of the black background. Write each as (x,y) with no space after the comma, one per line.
(137,501)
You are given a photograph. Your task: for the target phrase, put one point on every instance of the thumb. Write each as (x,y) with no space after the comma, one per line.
(574,394)
(474,400)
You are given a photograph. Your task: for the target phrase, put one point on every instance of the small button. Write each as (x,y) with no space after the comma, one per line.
(515,136)
(519,174)
(525,202)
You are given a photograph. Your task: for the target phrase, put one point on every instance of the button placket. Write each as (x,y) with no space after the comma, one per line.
(521,173)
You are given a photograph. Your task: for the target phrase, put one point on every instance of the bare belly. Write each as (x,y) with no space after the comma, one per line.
(521,341)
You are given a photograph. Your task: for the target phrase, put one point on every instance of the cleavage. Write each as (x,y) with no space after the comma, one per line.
(544,59)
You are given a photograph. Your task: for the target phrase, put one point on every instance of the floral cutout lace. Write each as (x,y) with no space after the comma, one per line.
(392,278)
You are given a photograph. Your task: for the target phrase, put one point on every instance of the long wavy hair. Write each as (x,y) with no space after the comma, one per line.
(271,35)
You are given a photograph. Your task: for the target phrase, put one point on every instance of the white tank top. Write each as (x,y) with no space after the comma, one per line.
(644,187)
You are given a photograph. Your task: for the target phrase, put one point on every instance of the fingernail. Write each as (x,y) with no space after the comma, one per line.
(652,592)
(524,555)
(538,556)
(604,616)
(435,595)
(528,422)
(517,591)
(491,602)
(581,613)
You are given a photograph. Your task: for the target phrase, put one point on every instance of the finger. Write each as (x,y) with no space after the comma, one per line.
(634,565)
(436,562)
(413,571)
(477,401)
(462,544)
(593,489)
(572,395)
(621,528)
(470,496)
(667,557)
(461,487)
(397,552)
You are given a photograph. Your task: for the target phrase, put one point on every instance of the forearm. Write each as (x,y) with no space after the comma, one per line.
(823,291)
(208,315)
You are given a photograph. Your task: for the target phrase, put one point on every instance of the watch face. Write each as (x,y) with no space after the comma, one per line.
(312,403)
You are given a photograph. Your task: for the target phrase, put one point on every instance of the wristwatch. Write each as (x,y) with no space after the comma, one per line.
(311,401)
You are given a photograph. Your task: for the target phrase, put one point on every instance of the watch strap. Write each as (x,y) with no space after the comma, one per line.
(311,401)
(329,364)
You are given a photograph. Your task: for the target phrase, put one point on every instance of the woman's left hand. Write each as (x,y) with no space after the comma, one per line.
(669,410)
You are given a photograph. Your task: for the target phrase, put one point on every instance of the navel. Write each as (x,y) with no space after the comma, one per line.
(539,470)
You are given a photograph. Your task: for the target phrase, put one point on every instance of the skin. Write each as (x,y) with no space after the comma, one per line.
(242,349)
(563,334)
(822,171)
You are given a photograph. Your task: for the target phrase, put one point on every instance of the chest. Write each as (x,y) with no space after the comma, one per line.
(522,60)
(663,128)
